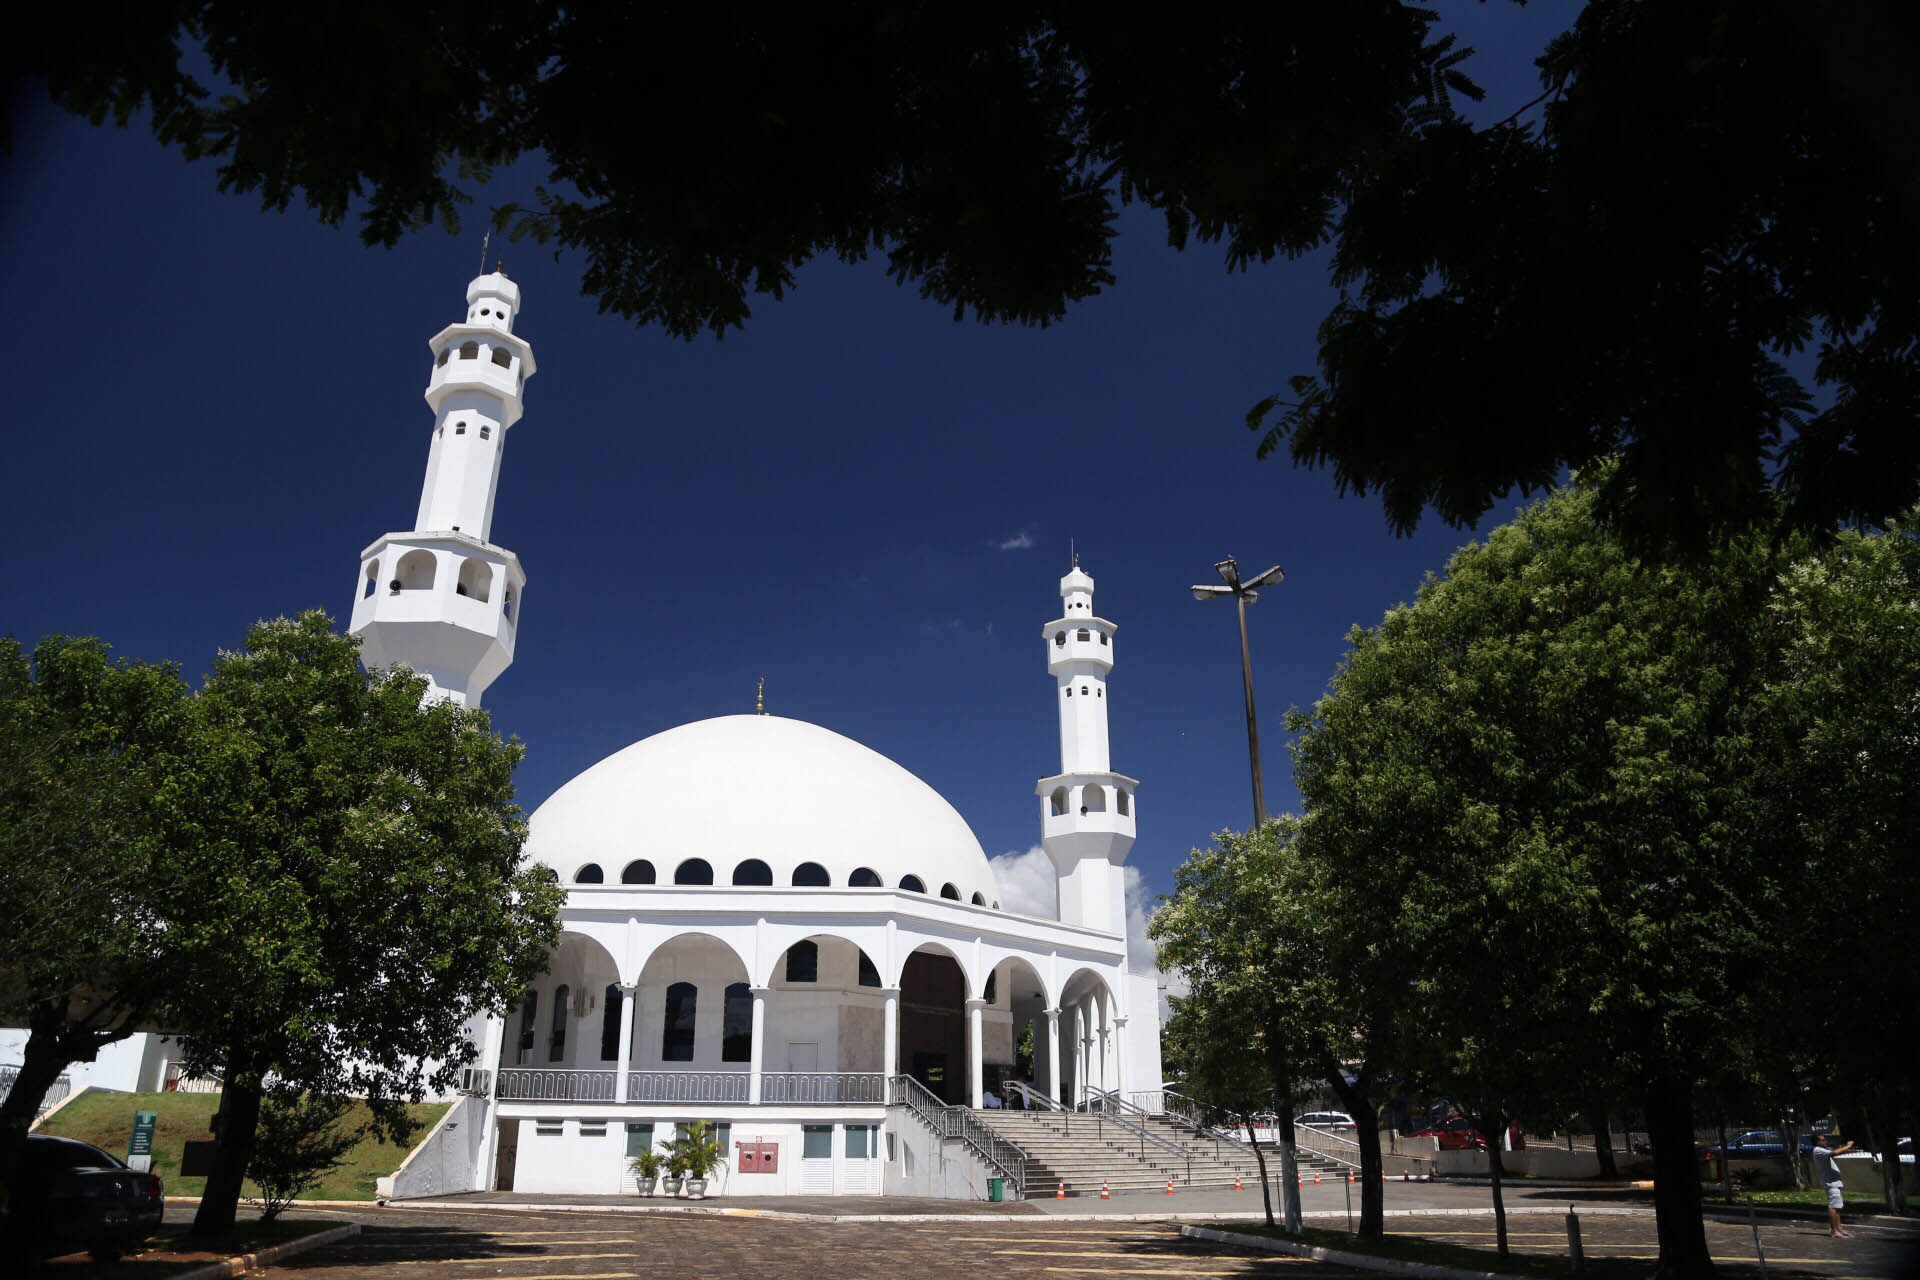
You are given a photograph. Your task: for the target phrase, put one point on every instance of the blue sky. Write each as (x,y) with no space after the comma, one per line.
(215,408)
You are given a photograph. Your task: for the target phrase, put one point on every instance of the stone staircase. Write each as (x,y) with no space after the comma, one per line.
(1083,1151)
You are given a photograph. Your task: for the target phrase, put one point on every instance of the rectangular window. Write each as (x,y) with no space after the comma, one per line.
(639,1138)
(859,1143)
(816,1142)
(549,1128)
(803,962)
(676,1038)
(736,1029)
(593,1128)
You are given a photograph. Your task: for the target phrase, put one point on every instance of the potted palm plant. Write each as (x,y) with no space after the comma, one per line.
(646,1170)
(698,1153)
(675,1169)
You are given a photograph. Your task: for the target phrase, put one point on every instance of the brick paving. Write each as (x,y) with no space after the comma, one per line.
(483,1244)
(518,1238)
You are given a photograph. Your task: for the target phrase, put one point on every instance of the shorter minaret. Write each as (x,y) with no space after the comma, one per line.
(443,600)
(1086,810)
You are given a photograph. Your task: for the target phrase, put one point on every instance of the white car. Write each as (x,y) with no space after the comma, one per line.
(1335,1121)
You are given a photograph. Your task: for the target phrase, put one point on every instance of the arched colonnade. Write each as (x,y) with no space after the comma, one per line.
(771,1012)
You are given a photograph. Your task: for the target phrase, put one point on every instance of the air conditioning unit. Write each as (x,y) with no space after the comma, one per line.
(475,1081)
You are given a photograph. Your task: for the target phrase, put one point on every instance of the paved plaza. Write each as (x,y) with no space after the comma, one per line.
(518,1238)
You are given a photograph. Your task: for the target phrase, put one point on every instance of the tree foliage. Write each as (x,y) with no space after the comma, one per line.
(1693,251)
(368,856)
(95,756)
(1553,765)
(301,1139)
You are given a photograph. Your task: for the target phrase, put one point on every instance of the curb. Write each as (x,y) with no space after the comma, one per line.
(243,1263)
(731,1211)
(1362,1261)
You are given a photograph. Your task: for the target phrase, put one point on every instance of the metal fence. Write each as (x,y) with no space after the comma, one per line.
(62,1086)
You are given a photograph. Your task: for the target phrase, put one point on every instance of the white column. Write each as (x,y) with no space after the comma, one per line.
(756,1051)
(1054,1081)
(976,1072)
(1123,1069)
(890,1041)
(628,997)
(1104,1034)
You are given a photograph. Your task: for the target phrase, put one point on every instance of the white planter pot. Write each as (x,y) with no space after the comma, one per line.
(646,1185)
(670,1185)
(696,1188)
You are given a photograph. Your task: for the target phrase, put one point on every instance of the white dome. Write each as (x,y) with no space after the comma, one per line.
(738,788)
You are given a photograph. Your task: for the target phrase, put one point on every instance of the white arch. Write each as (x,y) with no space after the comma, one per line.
(777,939)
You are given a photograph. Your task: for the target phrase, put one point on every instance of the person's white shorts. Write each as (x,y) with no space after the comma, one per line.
(1836,1196)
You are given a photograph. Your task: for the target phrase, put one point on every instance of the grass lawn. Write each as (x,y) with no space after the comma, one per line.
(1810,1198)
(106,1120)
(1438,1253)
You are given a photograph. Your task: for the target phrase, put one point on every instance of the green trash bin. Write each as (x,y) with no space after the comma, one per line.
(997,1190)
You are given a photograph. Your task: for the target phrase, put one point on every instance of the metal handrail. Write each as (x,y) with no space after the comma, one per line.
(1115,1115)
(960,1123)
(1112,1096)
(1035,1099)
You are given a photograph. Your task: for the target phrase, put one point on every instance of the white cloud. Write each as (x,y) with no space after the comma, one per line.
(1028,886)
(1020,541)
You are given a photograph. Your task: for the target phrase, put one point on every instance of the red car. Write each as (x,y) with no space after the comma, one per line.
(1456,1133)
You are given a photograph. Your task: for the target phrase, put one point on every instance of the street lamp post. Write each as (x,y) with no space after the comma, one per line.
(1245,593)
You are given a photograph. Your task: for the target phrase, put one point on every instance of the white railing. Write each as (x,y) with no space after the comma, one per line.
(544,1084)
(810,1087)
(686,1086)
(62,1085)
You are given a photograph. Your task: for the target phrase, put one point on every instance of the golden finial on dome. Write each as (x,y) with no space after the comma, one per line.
(760,698)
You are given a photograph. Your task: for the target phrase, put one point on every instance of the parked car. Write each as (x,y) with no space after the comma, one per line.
(1456,1133)
(1758,1144)
(67,1195)
(1333,1121)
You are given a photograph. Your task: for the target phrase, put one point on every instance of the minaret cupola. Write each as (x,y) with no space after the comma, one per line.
(442,599)
(1086,810)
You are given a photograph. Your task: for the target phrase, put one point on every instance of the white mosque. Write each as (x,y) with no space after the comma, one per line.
(768,926)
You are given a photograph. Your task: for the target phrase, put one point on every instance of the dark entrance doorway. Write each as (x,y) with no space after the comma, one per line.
(933,1025)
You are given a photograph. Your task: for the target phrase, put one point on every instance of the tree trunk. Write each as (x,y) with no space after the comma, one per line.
(41,1062)
(1493,1130)
(1366,1135)
(1892,1181)
(239,1118)
(1726,1164)
(1602,1139)
(1289,1170)
(1676,1182)
(1260,1159)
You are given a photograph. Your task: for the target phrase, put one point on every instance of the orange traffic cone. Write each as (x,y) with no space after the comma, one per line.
(1236,1183)
(1316,1177)
(1061,1194)
(1169,1186)
(1104,1193)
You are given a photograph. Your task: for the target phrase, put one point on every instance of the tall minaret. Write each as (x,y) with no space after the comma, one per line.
(1086,810)
(442,599)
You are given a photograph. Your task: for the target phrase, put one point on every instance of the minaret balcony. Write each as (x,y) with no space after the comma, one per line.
(1088,802)
(1082,644)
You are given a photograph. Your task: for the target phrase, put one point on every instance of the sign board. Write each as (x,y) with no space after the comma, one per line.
(196,1157)
(140,1145)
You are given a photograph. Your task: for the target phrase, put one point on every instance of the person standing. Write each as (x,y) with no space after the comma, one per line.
(1827,1173)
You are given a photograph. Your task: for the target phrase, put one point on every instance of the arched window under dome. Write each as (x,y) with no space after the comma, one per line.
(811,875)
(639,871)
(693,871)
(913,884)
(950,893)
(865,878)
(590,874)
(753,872)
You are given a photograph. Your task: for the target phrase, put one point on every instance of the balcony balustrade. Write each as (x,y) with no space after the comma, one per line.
(777,1088)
